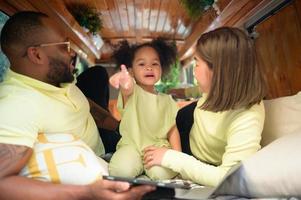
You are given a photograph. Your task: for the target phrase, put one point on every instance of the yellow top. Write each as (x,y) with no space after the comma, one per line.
(146,118)
(29,107)
(218,141)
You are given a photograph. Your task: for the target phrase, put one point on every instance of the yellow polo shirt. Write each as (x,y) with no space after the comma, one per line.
(29,107)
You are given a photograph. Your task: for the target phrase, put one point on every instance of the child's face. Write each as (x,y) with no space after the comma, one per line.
(146,67)
(202,74)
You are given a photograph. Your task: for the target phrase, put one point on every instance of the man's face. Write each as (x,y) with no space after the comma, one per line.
(61,61)
(60,70)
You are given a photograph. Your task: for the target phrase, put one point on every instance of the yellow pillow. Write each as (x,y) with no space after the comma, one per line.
(63,158)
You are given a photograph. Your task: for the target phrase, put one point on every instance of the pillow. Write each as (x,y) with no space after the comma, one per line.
(274,171)
(282,117)
(63,158)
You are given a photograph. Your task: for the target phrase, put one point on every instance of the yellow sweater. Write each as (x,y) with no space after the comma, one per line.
(146,118)
(218,141)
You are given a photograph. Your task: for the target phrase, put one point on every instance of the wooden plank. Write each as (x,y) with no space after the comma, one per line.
(271,68)
(222,4)
(123,16)
(7,8)
(114,14)
(153,20)
(244,12)
(21,5)
(291,39)
(138,11)
(131,17)
(108,27)
(282,65)
(240,22)
(185,23)
(297,4)
(164,10)
(146,18)
(170,26)
(183,20)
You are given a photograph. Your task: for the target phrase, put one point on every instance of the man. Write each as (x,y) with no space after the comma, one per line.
(37,96)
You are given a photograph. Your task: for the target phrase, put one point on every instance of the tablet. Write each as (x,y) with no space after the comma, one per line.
(140,181)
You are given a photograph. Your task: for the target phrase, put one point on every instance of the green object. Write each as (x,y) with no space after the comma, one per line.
(195,8)
(86,16)
(171,80)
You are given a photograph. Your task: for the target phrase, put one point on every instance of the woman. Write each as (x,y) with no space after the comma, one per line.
(228,119)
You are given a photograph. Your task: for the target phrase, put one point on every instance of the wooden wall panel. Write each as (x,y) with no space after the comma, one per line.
(279,51)
(7,8)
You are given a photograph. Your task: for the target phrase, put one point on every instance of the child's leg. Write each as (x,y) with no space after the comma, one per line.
(126,162)
(160,173)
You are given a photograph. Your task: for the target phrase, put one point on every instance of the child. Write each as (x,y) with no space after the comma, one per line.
(228,119)
(148,118)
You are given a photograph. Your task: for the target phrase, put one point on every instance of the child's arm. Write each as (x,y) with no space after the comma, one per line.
(174,138)
(125,82)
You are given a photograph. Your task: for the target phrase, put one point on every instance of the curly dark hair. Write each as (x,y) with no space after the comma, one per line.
(125,53)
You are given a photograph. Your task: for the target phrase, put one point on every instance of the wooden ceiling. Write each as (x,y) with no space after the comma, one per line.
(140,20)
(137,21)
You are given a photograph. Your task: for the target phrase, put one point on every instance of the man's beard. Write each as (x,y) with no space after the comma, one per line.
(59,72)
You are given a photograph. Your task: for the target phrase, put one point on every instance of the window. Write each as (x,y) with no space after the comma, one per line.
(4,63)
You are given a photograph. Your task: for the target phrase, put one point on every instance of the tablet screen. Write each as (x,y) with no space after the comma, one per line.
(140,181)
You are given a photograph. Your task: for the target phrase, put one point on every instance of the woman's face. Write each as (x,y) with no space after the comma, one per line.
(146,67)
(202,74)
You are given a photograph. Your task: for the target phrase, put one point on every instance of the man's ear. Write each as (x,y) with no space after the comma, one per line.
(35,55)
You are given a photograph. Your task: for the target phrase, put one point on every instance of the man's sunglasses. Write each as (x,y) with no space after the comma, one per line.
(67,43)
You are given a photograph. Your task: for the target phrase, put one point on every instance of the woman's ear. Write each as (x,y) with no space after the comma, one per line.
(35,55)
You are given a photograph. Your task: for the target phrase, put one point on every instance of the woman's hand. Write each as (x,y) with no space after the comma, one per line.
(153,156)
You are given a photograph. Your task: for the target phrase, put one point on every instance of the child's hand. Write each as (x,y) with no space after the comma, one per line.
(153,156)
(122,79)
(125,81)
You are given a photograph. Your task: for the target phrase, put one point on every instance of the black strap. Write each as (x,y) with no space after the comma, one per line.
(184,121)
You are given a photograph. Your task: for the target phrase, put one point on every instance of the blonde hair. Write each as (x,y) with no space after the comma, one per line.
(236,81)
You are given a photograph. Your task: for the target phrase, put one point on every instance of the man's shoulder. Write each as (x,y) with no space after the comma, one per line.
(16,90)
(18,96)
